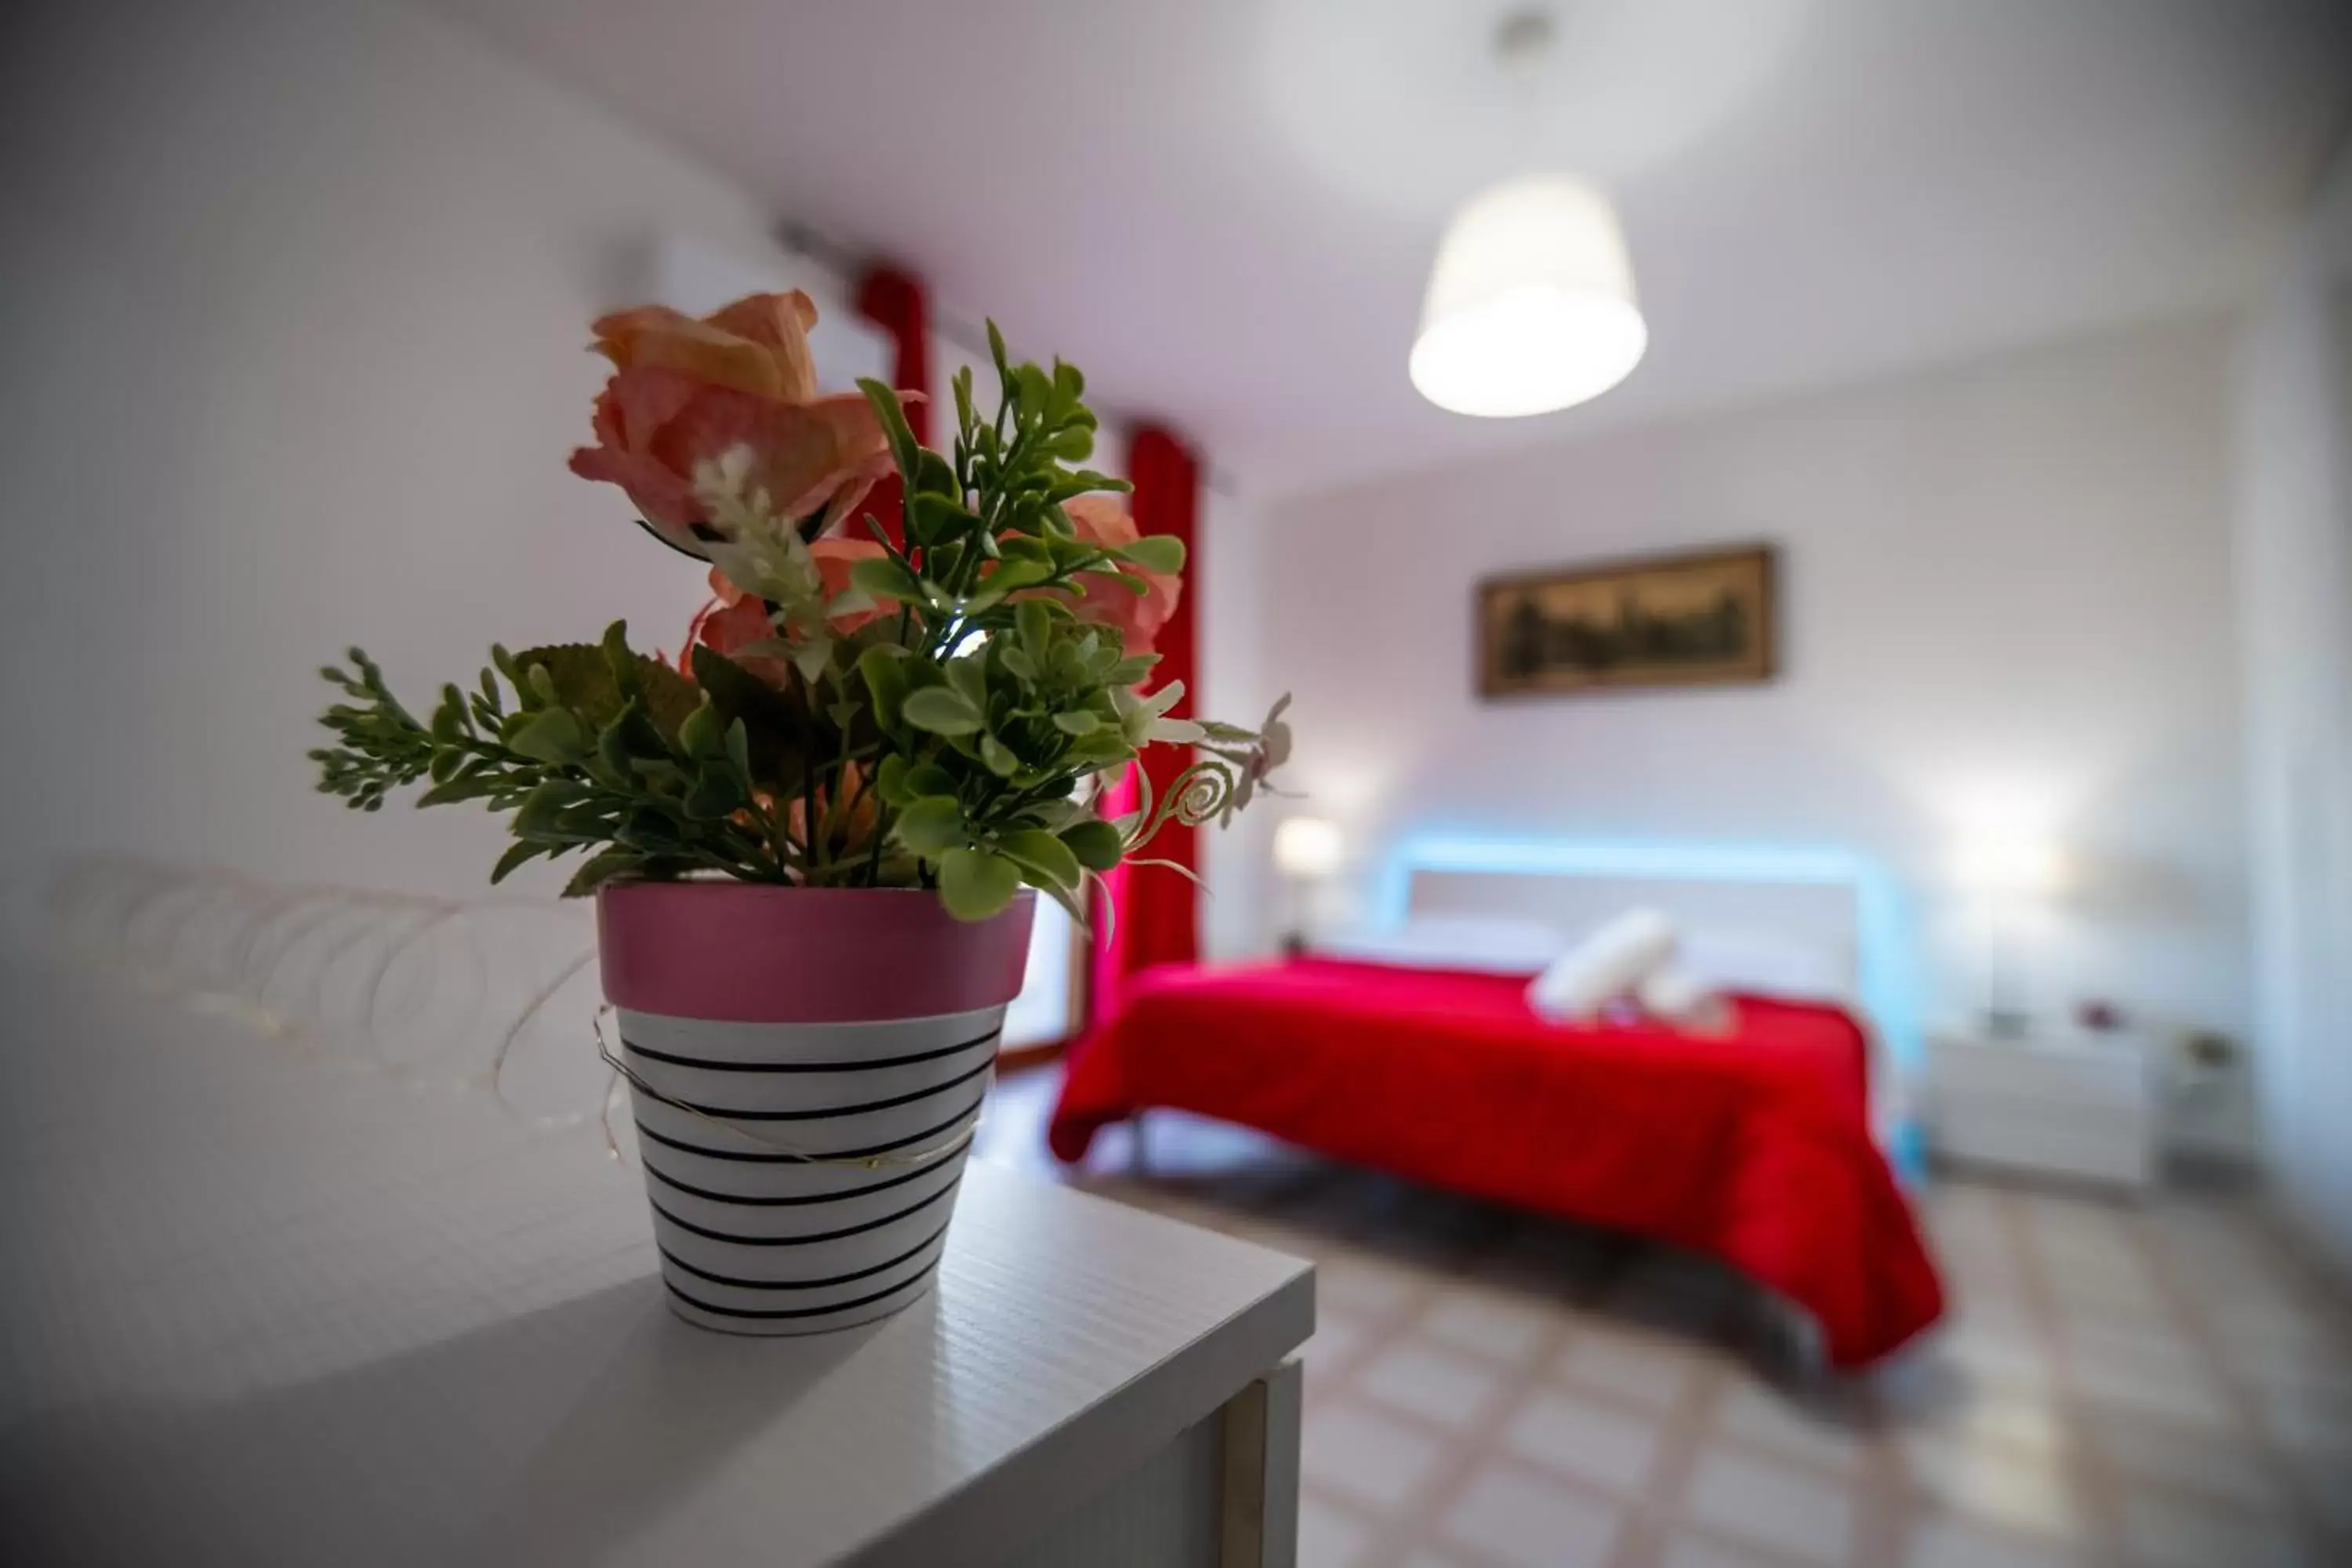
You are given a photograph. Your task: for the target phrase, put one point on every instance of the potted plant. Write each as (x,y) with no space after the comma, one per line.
(816,842)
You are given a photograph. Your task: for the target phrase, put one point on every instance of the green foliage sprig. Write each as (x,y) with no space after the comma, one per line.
(937,723)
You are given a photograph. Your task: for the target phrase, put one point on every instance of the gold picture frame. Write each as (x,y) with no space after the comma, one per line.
(1706,617)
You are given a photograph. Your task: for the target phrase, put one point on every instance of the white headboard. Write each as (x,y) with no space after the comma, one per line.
(1818,918)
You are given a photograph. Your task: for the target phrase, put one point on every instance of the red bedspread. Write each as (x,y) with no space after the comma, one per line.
(1755,1147)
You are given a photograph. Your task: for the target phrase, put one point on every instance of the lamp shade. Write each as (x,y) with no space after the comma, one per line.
(2013,861)
(1307,846)
(1530,306)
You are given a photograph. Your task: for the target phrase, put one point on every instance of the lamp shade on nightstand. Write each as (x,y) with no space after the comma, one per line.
(1308,849)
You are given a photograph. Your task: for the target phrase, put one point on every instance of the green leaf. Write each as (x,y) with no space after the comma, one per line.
(1035,622)
(881,577)
(588,679)
(975,884)
(1039,851)
(715,796)
(933,825)
(516,855)
(552,735)
(936,517)
(969,675)
(1095,843)
(928,778)
(1130,669)
(881,668)
(1079,721)
(1156,553)
(885,403)
(944,711)
(890,778)
(601,868)
(700,736)
(997,757)
(933,477)
(781,732)
(465,784)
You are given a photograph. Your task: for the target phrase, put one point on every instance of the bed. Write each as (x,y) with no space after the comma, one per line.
(1765,1144)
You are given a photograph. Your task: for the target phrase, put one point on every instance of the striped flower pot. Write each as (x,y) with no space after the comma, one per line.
(806,1068)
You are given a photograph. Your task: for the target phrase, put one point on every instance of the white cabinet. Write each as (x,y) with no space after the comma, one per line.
(2081,1108)
(282,1312)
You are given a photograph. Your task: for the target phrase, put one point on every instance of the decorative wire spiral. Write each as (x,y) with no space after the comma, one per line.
(1202,794)
(499,995)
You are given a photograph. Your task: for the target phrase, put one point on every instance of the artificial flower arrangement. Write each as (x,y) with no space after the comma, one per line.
(858,705)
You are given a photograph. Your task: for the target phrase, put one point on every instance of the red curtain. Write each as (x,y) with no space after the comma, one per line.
(893,301)
(1159,917)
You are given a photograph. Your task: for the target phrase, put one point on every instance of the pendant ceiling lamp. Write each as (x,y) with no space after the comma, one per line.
(1530,305)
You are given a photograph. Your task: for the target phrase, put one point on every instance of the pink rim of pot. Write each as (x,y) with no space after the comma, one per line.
(751,952)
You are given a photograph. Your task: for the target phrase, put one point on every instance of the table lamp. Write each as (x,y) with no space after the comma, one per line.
(1307,850)
(2007,869)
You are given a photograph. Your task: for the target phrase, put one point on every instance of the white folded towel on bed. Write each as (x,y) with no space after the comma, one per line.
(1610,964)
(1674,994)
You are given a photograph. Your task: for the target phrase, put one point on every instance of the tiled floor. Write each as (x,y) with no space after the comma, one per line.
(2155,1384)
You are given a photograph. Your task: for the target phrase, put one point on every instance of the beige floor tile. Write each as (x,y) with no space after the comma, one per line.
(1606,1444)
(2314,1421)
(2321,1485)
(1364,1287)
(1767,1418)
(1780,1506)
(1446,1386)
(1688,1549)
(2166,1531)
(1523,1520)
(1644,1368)
(2129,1348)
(2173,1352)
(2158,1455)
(2003,1353)
(2178,1391)
(1354,1451)
(1330,1538)
(1998,1482)
(1488,1322)
(1963,1543)
(1338,1338)
(2020,1416)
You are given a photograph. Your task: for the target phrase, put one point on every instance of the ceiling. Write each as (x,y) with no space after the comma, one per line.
(1225,210)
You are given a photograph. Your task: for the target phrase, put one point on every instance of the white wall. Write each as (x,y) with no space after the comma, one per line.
(296,295)
(2005,585)
(297,298)
(1238,683)
(2294,434)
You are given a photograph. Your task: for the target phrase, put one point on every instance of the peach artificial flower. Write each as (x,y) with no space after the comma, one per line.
(685,391)
(1102,519)
(733,619)
(730,623)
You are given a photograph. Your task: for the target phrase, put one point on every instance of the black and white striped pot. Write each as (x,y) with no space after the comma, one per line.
(806,1068)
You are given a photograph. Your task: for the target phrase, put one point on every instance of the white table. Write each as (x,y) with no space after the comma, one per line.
(260,1307)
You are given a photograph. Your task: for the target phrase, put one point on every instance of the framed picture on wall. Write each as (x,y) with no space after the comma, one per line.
(1700,618)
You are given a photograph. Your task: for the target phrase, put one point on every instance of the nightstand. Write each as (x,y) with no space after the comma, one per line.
(2075,1106)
